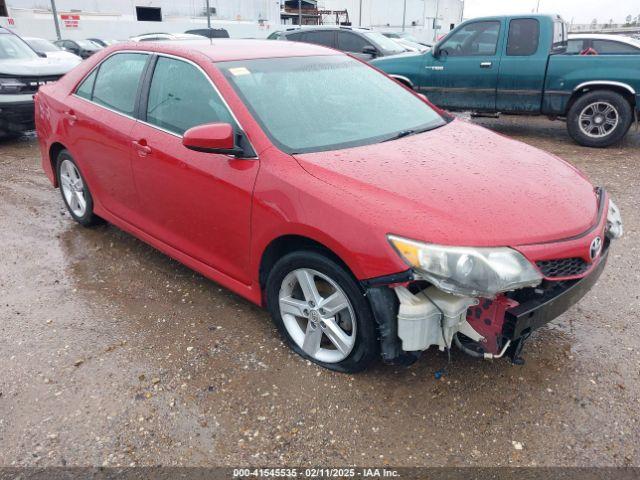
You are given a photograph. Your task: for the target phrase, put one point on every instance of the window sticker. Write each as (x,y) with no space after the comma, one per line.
(238,71)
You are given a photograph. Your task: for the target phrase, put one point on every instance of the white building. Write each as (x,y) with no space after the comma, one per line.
(120,19)
(420,18)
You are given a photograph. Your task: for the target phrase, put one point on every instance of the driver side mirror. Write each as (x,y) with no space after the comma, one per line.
(212,138)
(370,50)
(41,54)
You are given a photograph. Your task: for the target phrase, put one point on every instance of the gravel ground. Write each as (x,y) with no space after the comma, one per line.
(114,354)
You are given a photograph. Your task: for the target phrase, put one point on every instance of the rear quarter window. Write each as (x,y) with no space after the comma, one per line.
(85,90)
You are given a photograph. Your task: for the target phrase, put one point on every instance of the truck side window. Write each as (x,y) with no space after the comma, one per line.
(523,37)
(477,38)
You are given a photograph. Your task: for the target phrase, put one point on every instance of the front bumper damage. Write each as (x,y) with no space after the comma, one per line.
(413,315)
(408,326)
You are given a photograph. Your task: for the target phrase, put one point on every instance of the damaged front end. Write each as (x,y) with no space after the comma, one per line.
(487,301)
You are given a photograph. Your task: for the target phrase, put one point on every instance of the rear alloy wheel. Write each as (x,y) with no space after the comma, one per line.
(321,311)
(599,118)
(74,190)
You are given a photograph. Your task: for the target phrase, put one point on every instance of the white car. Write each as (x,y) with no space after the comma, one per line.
(22,72)
(51,50)
(602,44)
(159,37)
(408,41)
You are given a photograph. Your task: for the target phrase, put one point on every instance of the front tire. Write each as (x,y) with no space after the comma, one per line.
(75,191)
(599,118)
(321,311)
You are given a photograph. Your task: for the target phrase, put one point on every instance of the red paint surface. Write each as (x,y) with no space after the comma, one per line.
(457,185)
(487,319)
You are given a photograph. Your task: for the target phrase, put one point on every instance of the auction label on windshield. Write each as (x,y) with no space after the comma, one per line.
(315,472)
(237,71)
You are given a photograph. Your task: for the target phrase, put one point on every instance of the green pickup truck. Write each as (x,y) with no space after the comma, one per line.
(519,65)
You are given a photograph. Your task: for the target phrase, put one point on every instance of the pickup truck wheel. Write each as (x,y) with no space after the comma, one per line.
(599,118)
(321,311)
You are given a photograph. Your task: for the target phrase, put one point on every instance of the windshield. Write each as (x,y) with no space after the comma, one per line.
(384,42)
(11,47)
(41,45)
(87,44)
(311,104)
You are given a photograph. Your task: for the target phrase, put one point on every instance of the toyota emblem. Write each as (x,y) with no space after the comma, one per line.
(594,249)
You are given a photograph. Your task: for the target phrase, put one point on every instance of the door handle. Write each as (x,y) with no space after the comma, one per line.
(71,116)
(485,64)
(142,147)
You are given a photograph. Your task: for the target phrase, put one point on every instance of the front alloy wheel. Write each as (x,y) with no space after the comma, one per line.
(317,315)
(321,311)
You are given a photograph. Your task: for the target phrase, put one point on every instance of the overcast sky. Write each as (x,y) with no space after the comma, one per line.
(581,11)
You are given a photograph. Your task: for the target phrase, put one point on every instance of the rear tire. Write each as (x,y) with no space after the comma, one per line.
(339,334)
(599,118)
(75,191)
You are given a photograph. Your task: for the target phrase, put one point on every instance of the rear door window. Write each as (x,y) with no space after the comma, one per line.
(326,38)
(523,37)
(181,97)
(116,85)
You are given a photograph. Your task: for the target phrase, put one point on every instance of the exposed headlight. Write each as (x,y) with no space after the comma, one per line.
(614,221)
(11,85)
(482,272)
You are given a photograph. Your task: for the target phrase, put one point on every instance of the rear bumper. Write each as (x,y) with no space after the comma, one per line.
(533,314)
(17,116)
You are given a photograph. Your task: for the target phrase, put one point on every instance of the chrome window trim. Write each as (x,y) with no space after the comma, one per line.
(175,57)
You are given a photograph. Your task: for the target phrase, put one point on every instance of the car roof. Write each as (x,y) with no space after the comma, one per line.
(226,49)
(604,36)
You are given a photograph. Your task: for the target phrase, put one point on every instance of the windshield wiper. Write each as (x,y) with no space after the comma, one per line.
(400,134)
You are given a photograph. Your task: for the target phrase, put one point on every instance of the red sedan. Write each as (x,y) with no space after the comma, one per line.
(367,221)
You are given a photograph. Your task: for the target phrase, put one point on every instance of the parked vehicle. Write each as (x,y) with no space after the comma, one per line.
(210,32)
(156,37)
(22,71)
(359,42)
(390,227)
(408,41)
(602,44)
(82,48)
(103,43)
(40,45)
(520,65)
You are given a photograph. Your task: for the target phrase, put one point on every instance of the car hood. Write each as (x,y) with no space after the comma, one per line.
(460,184)
(67,56)
(37,66)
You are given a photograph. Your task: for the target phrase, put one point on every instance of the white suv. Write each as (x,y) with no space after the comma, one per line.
(22,71)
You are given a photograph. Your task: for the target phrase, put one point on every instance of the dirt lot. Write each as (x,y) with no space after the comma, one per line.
(113,354)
